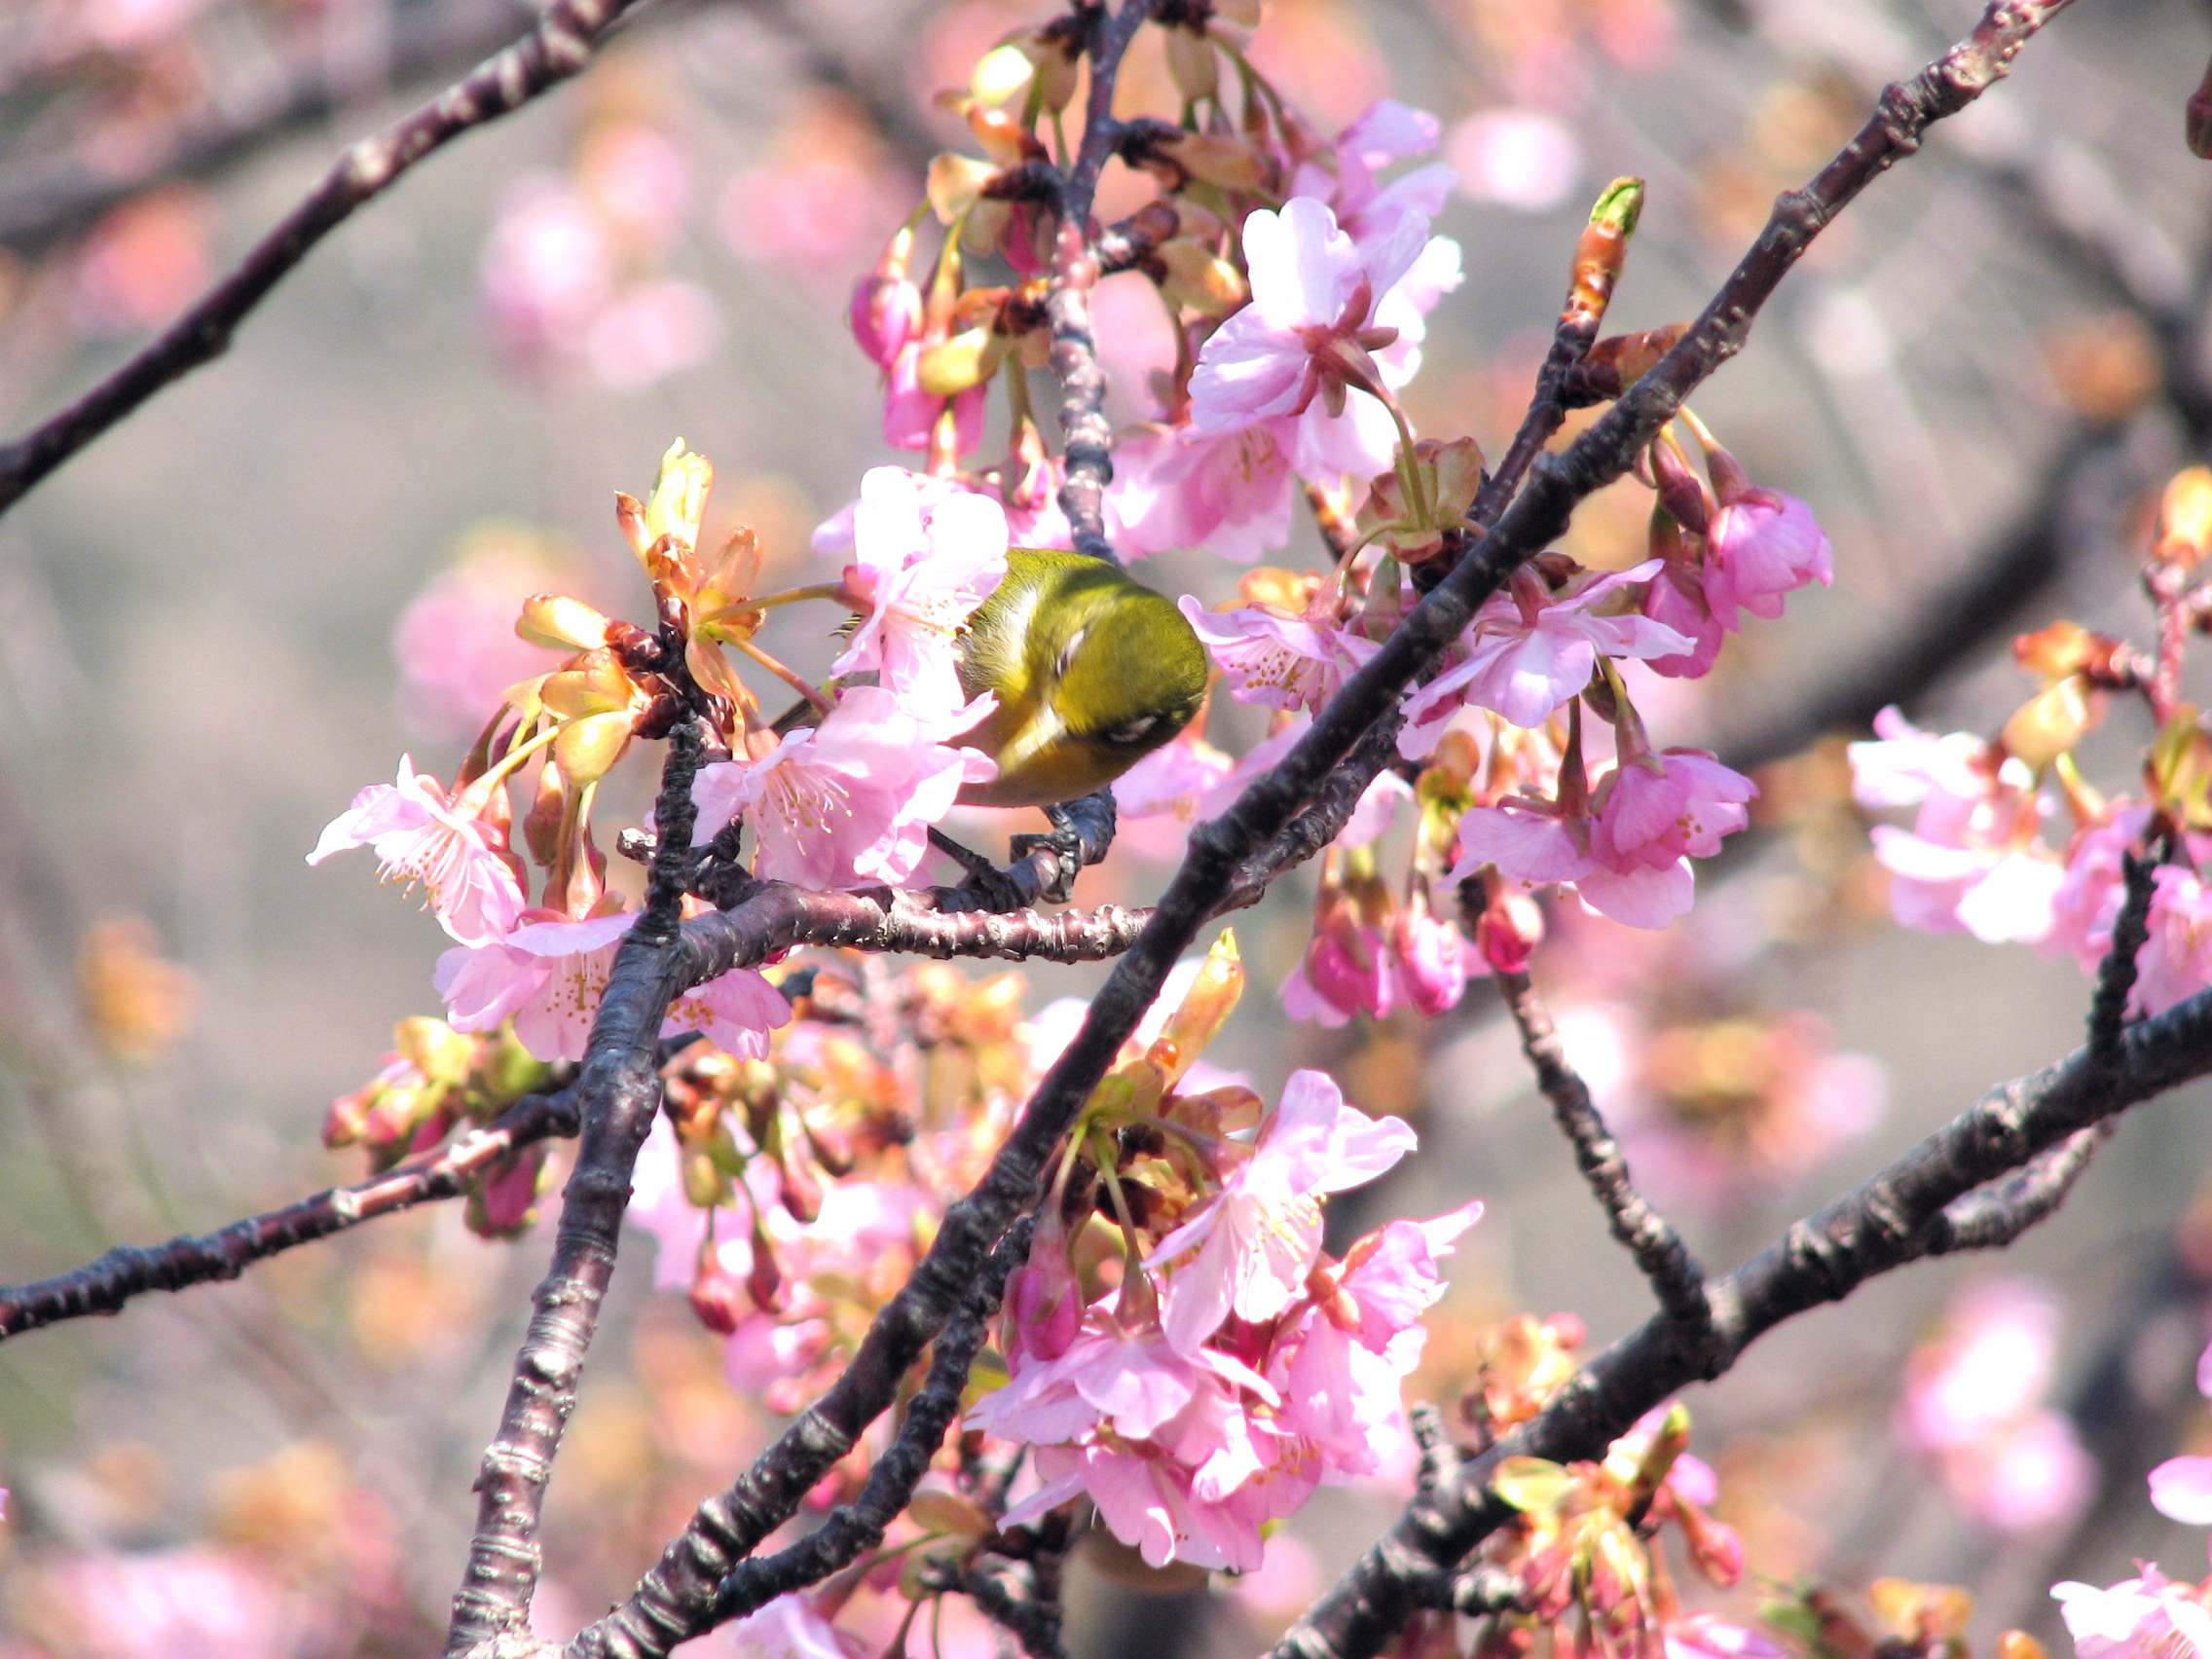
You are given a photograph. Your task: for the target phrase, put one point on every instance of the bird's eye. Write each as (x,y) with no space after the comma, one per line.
(1132,731)
(1068,651)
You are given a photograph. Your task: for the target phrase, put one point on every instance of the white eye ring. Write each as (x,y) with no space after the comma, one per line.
(1068,651)
(1133,732)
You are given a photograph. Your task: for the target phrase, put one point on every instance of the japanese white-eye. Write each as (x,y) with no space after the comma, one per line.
(1092,672)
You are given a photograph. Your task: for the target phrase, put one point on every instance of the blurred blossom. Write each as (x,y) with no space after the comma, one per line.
(183,1604)
(638,182)
(132,25)
(1517,157)
(1974,1399)
(144,262)
(136,1003)
(456,643)
(546,268)
(819,202)
(651,331)
(1712,1112)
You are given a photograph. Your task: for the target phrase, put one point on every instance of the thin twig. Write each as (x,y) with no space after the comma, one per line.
(1086,438)
(560,45)
(50,199)
(103,1287)
(1992,1218)
(2117,972)
(1675,1278)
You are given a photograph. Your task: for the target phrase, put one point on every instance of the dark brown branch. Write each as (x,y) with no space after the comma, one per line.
(1018,1598)
(619,1092)
(1998,1214)
(1659,1251)
(103,1287)
(48,199)
(659,1614)
(1219,850)
(1442,1526)
(1925,1203)
(1086,438)
(560,45)
(2116,974)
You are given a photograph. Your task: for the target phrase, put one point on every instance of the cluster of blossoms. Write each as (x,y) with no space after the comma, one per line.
(1180,1350)
(1300,273)
(2010,844)
(2152,1613)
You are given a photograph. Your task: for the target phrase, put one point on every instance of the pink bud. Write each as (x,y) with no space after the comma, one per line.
(1508,932)
(719,1297)
(1681,492)
(1432,960)
(885,315)
(1350,968)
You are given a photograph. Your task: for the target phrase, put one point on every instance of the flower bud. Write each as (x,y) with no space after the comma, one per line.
(705,1186)
(596,684)
(1682,494)
(952,366)
(588,748)
(504,1203)
(1508,932)
(2184,519)
(1199,278)
(1219,159)
(2051,722)
(561,623)
(955,183)
(1714,1546)
(885,313)
(678,499)
(718,1296)
(1432,959)
(1193,64)
(2018,1643)
(1001,75)
(2196,117)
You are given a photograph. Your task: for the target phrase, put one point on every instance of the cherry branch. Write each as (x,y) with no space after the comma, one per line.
(619,1092)
(559,45)
(1271,803)
(1650,1238)
(1944,1194)
(104,1285)
(52,198)
(703,1578)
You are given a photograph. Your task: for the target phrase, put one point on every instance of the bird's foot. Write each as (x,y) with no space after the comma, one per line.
(1082,831)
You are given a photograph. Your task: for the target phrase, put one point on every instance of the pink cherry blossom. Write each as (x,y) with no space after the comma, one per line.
(418,836)
(1340,1366)
(910,414)
(924,558)
(1169,790)
(2180,1488)
(1370,213)
(1530,650)
(1991,1363)
(848,804)
(884,314)
(2134,1618)
(548,977)
(1673,804)
(651,330)
(1247,1250)
(1532,845)
(1349,969)
(1762,547)
(1435,958)
(1972,862)
(1284,662)
(1677,599)
(1708,1635)
(548,267)
(793,1627)
(1231,494)
(162,1604)
(1314,298)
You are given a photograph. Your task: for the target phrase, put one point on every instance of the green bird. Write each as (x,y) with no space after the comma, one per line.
(1092,672)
